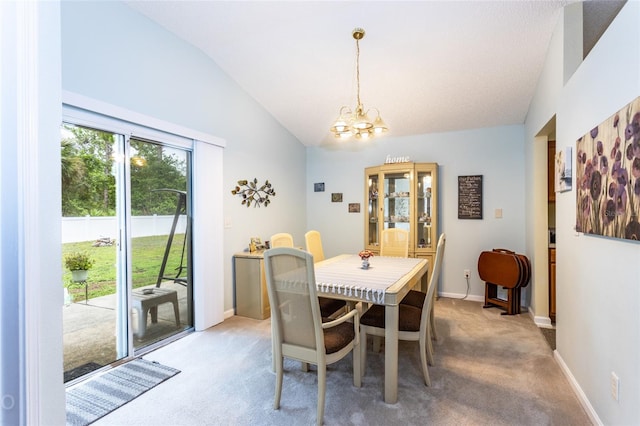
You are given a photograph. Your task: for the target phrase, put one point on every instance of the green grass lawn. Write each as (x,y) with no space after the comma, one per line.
(147,254)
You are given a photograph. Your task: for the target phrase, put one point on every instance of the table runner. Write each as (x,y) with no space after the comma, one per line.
(346,276)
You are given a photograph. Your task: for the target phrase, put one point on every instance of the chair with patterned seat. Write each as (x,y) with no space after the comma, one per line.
(416,298)
(414,322)
(298,331)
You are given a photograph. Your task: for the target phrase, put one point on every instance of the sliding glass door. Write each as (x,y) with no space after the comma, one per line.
(161,247)
(126,222)
(91,243)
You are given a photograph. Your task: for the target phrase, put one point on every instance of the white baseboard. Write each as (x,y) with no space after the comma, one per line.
(584,401)
(229,313)
(541,322)
(470,297)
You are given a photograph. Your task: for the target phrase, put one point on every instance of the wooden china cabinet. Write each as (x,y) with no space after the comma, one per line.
(403,195)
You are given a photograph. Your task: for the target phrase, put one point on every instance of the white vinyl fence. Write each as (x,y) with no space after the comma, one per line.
(88,228)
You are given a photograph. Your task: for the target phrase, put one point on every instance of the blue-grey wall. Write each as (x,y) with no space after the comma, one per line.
(495,153)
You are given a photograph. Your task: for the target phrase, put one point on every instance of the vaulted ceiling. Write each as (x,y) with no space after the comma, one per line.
(428,66)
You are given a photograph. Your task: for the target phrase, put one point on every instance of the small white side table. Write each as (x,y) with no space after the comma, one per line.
(143,303)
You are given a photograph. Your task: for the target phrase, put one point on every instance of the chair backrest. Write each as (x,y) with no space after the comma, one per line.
(433,282)
(313,241)
(394,242)
(295,311)
(281,240)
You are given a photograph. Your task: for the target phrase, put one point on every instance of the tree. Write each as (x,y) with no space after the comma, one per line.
(154,167)
(89,180)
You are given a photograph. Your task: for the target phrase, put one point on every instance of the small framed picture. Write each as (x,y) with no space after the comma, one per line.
(336,197)
(318,187)
(354,207)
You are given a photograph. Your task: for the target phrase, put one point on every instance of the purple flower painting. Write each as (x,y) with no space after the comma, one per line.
(608,176)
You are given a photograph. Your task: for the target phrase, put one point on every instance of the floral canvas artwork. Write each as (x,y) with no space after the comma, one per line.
(608,176)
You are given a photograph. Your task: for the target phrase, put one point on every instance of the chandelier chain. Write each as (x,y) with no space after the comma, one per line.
(356,122)
(358,70)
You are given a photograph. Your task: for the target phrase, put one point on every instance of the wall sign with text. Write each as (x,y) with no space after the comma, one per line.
(470,197)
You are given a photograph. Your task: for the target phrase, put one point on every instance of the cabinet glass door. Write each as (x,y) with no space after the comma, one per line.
(372,210)
(425,206)
(397,200)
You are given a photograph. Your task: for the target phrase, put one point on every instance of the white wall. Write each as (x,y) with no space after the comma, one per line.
(31,387)
(496,153)
(598,291)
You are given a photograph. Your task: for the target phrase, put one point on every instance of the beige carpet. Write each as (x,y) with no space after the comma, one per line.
(550,336)
(490,369)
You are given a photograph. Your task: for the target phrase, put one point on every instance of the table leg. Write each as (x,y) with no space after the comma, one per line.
(391,314)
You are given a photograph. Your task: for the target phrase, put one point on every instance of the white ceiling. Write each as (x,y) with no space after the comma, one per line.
(428,66)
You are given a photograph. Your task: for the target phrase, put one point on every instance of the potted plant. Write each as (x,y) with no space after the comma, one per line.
(78,263)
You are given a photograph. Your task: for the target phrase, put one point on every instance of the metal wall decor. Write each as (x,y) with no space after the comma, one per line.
(252,193)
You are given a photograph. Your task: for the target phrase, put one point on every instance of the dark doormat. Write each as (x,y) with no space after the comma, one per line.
(550,336)
(80,371)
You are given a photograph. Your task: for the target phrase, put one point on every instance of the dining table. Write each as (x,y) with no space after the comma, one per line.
(386,282)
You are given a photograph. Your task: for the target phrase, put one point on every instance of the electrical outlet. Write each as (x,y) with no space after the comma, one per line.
(467,273)
(615,385)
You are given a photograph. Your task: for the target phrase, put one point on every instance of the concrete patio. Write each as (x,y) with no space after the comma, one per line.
(90,329)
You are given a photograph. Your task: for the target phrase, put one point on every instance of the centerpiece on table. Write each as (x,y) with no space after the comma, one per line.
(365,255)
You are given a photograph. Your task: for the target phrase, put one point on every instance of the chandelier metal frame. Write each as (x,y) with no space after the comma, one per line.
(356,122)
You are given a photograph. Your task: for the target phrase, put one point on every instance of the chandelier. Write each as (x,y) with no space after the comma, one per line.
(357,122)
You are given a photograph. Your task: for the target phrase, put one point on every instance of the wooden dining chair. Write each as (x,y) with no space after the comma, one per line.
(414,322)
(328,307)
(298,331)
(313,242)
(416,298)
(394,242)
(281,240)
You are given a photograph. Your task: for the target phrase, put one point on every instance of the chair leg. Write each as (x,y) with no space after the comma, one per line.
(273,348)
(432,320)
(429,342)
(363,351)
(279,368)
(357,369)
(423,359)
(322,384)
(430,357)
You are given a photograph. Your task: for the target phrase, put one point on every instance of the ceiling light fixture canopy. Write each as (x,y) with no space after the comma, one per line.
(356,122)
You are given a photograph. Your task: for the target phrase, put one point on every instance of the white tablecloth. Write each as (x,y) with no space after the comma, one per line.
(346,276)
